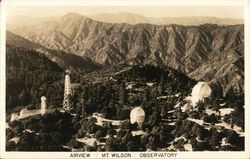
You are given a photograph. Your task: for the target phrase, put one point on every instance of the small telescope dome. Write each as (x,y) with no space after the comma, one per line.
(67,71)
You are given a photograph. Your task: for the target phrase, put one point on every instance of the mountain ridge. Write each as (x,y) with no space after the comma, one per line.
(63,59)
(184,48)
(130,18)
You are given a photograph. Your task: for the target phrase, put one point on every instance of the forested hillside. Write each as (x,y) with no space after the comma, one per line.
(30,75)
(162,92)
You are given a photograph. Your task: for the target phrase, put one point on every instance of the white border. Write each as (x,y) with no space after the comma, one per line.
(4,3)
(123,2)
(2,78)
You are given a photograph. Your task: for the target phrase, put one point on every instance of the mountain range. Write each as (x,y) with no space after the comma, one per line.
(130,18)
(124,17)
(208,52)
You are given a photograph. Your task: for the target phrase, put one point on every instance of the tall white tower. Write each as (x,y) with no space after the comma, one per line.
(67,104)
(43,105)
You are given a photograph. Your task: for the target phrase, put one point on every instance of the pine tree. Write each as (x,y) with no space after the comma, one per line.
(123,95)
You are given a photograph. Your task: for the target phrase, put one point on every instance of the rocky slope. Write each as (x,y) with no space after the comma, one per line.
(18,41)
(64,60)
(207,52)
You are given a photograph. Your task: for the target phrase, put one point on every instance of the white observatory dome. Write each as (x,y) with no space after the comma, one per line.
(67,71)
(200,91)
(43,98)
(137,115)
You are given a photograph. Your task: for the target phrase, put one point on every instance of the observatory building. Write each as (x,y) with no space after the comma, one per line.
(137,115)
(25,113)
(200,91)
(43,105)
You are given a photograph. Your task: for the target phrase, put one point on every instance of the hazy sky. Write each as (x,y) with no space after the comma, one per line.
(148,11)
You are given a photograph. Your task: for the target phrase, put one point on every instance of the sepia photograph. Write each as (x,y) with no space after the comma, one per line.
(124,78)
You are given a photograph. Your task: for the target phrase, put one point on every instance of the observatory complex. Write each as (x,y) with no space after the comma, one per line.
(137,115)
(67,103)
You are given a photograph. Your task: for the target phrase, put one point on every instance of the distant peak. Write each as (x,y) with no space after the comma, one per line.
(127,13)
(72,15)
